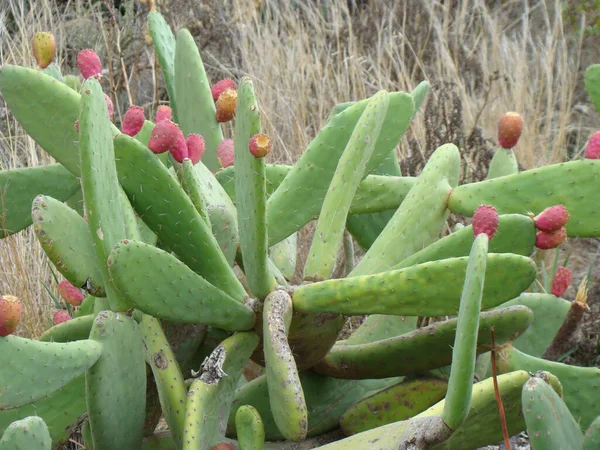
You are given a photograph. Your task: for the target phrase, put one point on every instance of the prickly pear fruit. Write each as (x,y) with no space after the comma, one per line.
(44,48)
(260,145)
(111,108)
(133,121)
(226,104)
(592,148)
(89,64)
(163,136)
(561,281)
(552,218)
(225,153)
(179,151)
(163,112)
(545,241)
(485,220)
(11,311)
(61,316)
(510,127)
(222,86)
(195,147)
(222,446)
(70,293)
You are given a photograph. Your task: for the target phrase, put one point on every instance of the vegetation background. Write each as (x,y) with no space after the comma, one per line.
(482,58)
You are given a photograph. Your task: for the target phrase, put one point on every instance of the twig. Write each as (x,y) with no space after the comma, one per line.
(497,392)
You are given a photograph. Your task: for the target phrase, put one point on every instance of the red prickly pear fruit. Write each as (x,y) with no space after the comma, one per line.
(11,311)
(44,48)
(592,148)
(485,220)
(70,293)
(226,104)
(89,64)
(222,86)
(195,147)
(225,153)
(552,218)
(222,446)
(260,145)
(133,120)
(163,112)
(179,151)
(163,136)
(510,127)
(110,107)
(546,241)
(61,316)
(561,281)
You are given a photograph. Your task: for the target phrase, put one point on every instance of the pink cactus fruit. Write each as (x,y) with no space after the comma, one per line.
(44,48)
(226,104)
(163,112)
(70,293)
(485,220)
(163,136)
(195,147)
(11,311)
(561,281)
(61,316)
(133,120)
(592,148)
(510,127)
(179,151)
(225,153)
(546,241)
(89,64)
(552,218)
(260,145)
(111,108)
(222,86)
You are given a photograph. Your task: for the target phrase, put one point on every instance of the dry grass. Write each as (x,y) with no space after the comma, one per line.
(305,58)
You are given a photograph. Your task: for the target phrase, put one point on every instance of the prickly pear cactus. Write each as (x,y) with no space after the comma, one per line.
(193,310)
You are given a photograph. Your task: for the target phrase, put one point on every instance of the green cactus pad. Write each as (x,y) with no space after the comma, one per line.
(65,237)
(515,234)
(572,184)
(306,185)
(177,223)
(167,375)
(30,433)
(549,313)
(18,188)
(482,426)
(250,183)
(285,390)
(351,169)
(592,84)
(399,402)
(591,439)
(503,163)
(283,254)
(209,397)
(163,41)
(419,219)
(99,180)
(274,175)
(60,410)
(195,105)
(550,425)
(428,289)
(27,93)
(378,327)
(115,386)
(249,428)
(421,350)
(192,187)
(326,400)
(86,307)
(77,329)
(73,82)
(21,380)
(144,134)
(159,284)
(581,385)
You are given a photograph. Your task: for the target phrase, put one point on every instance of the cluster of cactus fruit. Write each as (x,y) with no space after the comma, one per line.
(184,243)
